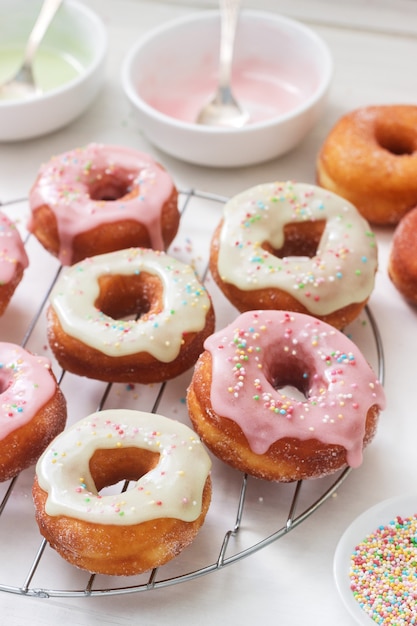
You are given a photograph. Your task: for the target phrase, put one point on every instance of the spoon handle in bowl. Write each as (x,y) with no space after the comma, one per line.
(229,11)
(45,17)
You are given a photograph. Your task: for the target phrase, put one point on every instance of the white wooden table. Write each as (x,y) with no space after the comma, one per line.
(290,582)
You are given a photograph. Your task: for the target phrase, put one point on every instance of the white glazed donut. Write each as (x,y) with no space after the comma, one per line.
(89,337)
(146,525)
(295,247)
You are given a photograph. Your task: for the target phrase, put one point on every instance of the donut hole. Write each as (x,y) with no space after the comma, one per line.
(395,139)
(289,379)
(112,466)
(137,296)
(109,188)
(300,239)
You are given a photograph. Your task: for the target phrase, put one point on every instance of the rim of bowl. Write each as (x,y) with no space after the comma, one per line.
(100,54)
(135,98)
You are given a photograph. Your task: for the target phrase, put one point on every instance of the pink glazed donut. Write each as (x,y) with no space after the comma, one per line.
(13,260)
(32,408)
(102,198)
(284,396)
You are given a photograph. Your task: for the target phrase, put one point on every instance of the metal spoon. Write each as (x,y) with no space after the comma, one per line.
(22,84)
(223,109)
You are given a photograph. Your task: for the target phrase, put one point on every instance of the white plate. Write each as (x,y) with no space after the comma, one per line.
(365,524)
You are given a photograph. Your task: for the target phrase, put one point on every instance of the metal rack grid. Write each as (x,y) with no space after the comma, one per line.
(292,503)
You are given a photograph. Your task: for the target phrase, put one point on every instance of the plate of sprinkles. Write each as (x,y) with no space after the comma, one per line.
(375,564)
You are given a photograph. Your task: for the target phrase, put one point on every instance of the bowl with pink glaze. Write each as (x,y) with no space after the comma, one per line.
(69,67)
(281,74)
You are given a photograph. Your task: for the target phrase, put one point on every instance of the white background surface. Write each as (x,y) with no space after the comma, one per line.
(374,45)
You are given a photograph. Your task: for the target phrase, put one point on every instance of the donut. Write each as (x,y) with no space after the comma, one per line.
(13,260)
(294,247)
(370,158)
(144,527)
(284,396)
(101,198)
(90,325)
(32,408)
(402,261)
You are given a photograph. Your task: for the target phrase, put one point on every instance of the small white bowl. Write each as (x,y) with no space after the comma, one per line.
(282,72)
(76,41)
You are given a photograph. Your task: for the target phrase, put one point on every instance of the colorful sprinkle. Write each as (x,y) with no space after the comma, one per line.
(383,573)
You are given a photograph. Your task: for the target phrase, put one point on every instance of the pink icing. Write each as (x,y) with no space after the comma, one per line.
(26,385)
(252,358)
(12,250)
(264,88)
(67,181)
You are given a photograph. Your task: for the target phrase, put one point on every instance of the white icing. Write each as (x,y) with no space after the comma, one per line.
(186,304)
(341,272)
(172,489)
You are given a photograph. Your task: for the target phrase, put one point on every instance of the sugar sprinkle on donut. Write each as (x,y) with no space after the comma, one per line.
(370,158)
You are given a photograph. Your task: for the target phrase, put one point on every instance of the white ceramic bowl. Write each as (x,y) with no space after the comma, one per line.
(76,38)
(282,71)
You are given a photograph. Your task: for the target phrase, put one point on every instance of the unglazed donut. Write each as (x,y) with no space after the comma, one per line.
(141,528)
(32,408)
(101,198)
(294,247)
(402,261)
(13,260)
(370,158)
(89,337)
(243,404)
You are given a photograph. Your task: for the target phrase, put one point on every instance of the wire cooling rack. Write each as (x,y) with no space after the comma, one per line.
(246,514)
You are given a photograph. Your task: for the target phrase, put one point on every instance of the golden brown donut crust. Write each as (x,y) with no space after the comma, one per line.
(23,446)
(287,460)
(300,240)
(121,296)
(108,237)
(118,550)
(370,158)
(402,262)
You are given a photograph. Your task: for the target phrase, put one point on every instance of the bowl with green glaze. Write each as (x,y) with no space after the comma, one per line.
(69,67)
